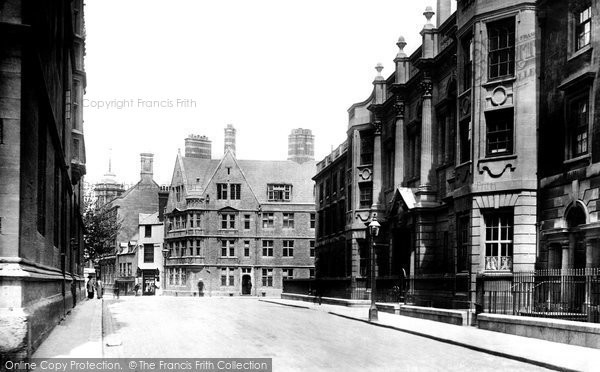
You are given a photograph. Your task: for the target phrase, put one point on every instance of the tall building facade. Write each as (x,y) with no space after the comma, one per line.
(569,135)
(42,162)
(301,145)
(238,227)
(444,154)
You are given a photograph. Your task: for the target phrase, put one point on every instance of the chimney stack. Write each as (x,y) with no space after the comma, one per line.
(230,139)
(443,11)
(147,160)
(197,146)
(301,145)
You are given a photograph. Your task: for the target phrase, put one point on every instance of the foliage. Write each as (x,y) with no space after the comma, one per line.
(101,228)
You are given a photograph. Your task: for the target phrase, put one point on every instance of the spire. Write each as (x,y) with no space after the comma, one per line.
(110,160)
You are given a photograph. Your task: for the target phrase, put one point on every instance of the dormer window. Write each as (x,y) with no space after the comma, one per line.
(279,192)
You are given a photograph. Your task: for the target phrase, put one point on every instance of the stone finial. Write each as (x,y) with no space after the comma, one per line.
(379,68)
(428,13)
(401,44)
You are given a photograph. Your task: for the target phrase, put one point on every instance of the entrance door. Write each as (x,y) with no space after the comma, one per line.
(246,284)
(149,287)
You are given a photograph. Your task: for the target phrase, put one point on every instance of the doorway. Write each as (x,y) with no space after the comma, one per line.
(246,284)
(149,288)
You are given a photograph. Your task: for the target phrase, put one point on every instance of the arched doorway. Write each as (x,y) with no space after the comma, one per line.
(246,284)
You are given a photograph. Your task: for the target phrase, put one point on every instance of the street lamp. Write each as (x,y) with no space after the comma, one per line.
(165,253)
(373,231)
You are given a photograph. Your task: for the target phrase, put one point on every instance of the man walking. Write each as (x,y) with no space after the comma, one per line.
(99,288)
(90,287)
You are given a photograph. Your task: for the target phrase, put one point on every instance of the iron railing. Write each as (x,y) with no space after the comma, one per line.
(571,294)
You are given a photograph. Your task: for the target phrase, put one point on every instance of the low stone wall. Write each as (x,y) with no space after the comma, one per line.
(389,308)
(456,317)
(326,300)
(555,330)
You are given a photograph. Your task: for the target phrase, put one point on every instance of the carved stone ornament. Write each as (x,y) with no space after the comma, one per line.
(426,87)
(377,126)
(365,174)
(399,107)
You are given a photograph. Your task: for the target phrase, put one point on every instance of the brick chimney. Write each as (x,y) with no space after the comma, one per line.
(229,139)
(147,166)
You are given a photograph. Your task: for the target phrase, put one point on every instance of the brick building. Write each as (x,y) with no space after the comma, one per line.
(444,153)
(121,267)
(42,162)
(238,227)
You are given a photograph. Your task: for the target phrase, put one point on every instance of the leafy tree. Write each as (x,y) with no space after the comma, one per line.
(101,228)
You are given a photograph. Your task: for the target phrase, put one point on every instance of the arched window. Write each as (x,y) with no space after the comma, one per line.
(575,216)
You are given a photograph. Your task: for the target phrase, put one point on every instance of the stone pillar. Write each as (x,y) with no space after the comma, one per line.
(401,61)
(399,144)
(377,176)
(564,293)
(589,252)
(355,189)
(426,138)
(355,267)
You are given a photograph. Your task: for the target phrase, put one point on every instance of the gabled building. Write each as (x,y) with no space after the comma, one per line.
(42,162)
(238,227)
(120,267)
(443,153)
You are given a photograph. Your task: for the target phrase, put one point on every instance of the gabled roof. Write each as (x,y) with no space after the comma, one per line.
(149,219)
(258,173)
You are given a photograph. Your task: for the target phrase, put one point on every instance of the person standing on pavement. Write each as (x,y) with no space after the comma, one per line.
(99,288)
(90,287)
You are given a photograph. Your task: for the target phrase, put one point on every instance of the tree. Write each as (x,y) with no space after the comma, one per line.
(101,228)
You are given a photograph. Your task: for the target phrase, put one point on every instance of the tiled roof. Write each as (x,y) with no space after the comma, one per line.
(258,173)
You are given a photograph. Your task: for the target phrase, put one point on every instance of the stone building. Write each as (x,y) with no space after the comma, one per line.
(42,162)
(569,134)
(238,227)
(150,254)
(120,267)
(108,188)
(444,153)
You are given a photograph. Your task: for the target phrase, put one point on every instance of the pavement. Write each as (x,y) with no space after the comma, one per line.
(542,353)
(80,334)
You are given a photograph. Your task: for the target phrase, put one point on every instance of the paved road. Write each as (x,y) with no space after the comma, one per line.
(296,339)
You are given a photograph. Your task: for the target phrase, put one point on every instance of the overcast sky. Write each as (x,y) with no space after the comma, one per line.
(266,66)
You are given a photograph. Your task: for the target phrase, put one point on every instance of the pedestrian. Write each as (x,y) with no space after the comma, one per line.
(116,290)
(99,288)
(73,290)
(90,287)
(136,288)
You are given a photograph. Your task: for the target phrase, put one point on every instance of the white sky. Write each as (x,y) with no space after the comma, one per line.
(266,66)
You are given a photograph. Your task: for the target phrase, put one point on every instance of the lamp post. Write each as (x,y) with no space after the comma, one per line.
(165,253)
(373,231)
